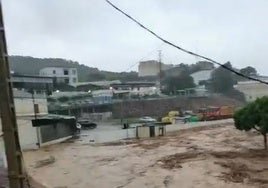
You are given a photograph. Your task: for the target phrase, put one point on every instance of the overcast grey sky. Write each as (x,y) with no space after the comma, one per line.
(93,33)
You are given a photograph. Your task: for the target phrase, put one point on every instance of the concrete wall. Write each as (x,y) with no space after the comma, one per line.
(252,90)
(29,136)
(201,76)
(110,136)
(27,133)
(97,116)
(59,73)
(49,133)
(151,68)
(24,106)
(160,107)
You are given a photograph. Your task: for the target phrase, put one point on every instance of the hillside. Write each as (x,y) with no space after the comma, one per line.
(31,66)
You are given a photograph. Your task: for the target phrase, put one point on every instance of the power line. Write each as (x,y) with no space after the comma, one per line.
(182,49)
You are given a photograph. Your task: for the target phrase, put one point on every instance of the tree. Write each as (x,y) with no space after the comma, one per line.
(249,71)
(173,83)
(222,80)
(96,76)
(254,116)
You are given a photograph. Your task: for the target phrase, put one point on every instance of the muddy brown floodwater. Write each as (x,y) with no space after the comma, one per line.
(218,156)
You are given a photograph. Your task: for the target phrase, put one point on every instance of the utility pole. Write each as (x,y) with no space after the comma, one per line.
(160,68)
(16,173)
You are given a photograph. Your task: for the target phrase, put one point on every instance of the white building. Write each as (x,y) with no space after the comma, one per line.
(252,89)
(152,68)
(202,75)
(61,74)
(26,108)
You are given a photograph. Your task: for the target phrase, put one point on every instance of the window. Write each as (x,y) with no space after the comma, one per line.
(66,72)
(74,72)
(36,109)
(54,71)
(74,80)
(39,92)
(66,80)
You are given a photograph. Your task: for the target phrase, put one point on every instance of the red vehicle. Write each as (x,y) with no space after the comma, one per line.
(215,113)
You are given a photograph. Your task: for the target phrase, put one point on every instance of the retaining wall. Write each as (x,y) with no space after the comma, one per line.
(160,107)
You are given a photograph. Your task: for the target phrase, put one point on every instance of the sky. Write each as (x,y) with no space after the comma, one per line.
(93,33)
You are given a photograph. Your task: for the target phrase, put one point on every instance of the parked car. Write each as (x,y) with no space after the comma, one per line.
(86,124)
(147,119)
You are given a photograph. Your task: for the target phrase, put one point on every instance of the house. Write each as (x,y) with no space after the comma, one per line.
(61,74)
(82,104)
(29,107)
(98,85)
(102,96)
(38,84)
(253,89)
(202,75)
(152,68)
(136,88)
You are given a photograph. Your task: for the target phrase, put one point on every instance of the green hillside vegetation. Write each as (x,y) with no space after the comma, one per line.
(31,66)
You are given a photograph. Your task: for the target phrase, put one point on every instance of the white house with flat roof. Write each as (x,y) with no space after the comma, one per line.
(61,74)
(152,68)
(202,75)
(253,89)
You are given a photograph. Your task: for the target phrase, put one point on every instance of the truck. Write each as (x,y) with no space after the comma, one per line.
(215,113)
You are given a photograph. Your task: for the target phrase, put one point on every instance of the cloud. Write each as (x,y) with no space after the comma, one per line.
(93,33)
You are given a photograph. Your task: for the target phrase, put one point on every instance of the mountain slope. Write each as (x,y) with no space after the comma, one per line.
(31,66)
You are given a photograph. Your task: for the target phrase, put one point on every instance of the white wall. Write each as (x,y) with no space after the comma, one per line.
(59,73)
(252,90)
(27,134)
(151,68)
(201,75)
(109,136)
(145,90)
(25,106)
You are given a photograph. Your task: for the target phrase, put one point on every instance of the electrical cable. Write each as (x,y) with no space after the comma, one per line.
(182,49)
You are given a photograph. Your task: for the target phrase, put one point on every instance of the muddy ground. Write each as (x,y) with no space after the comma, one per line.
(204,157)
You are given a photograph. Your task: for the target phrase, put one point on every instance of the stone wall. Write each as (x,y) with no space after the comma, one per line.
(160,107)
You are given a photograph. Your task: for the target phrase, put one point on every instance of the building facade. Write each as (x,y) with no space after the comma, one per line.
(27,107)
(152,68)
(252,89)
(61,74)
(36,84)
(202,75)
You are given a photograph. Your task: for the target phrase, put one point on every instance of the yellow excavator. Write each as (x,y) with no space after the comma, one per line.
(170,118)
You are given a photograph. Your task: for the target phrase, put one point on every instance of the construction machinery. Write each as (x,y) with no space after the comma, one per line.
(215,113)
(171,117)
(203,114)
